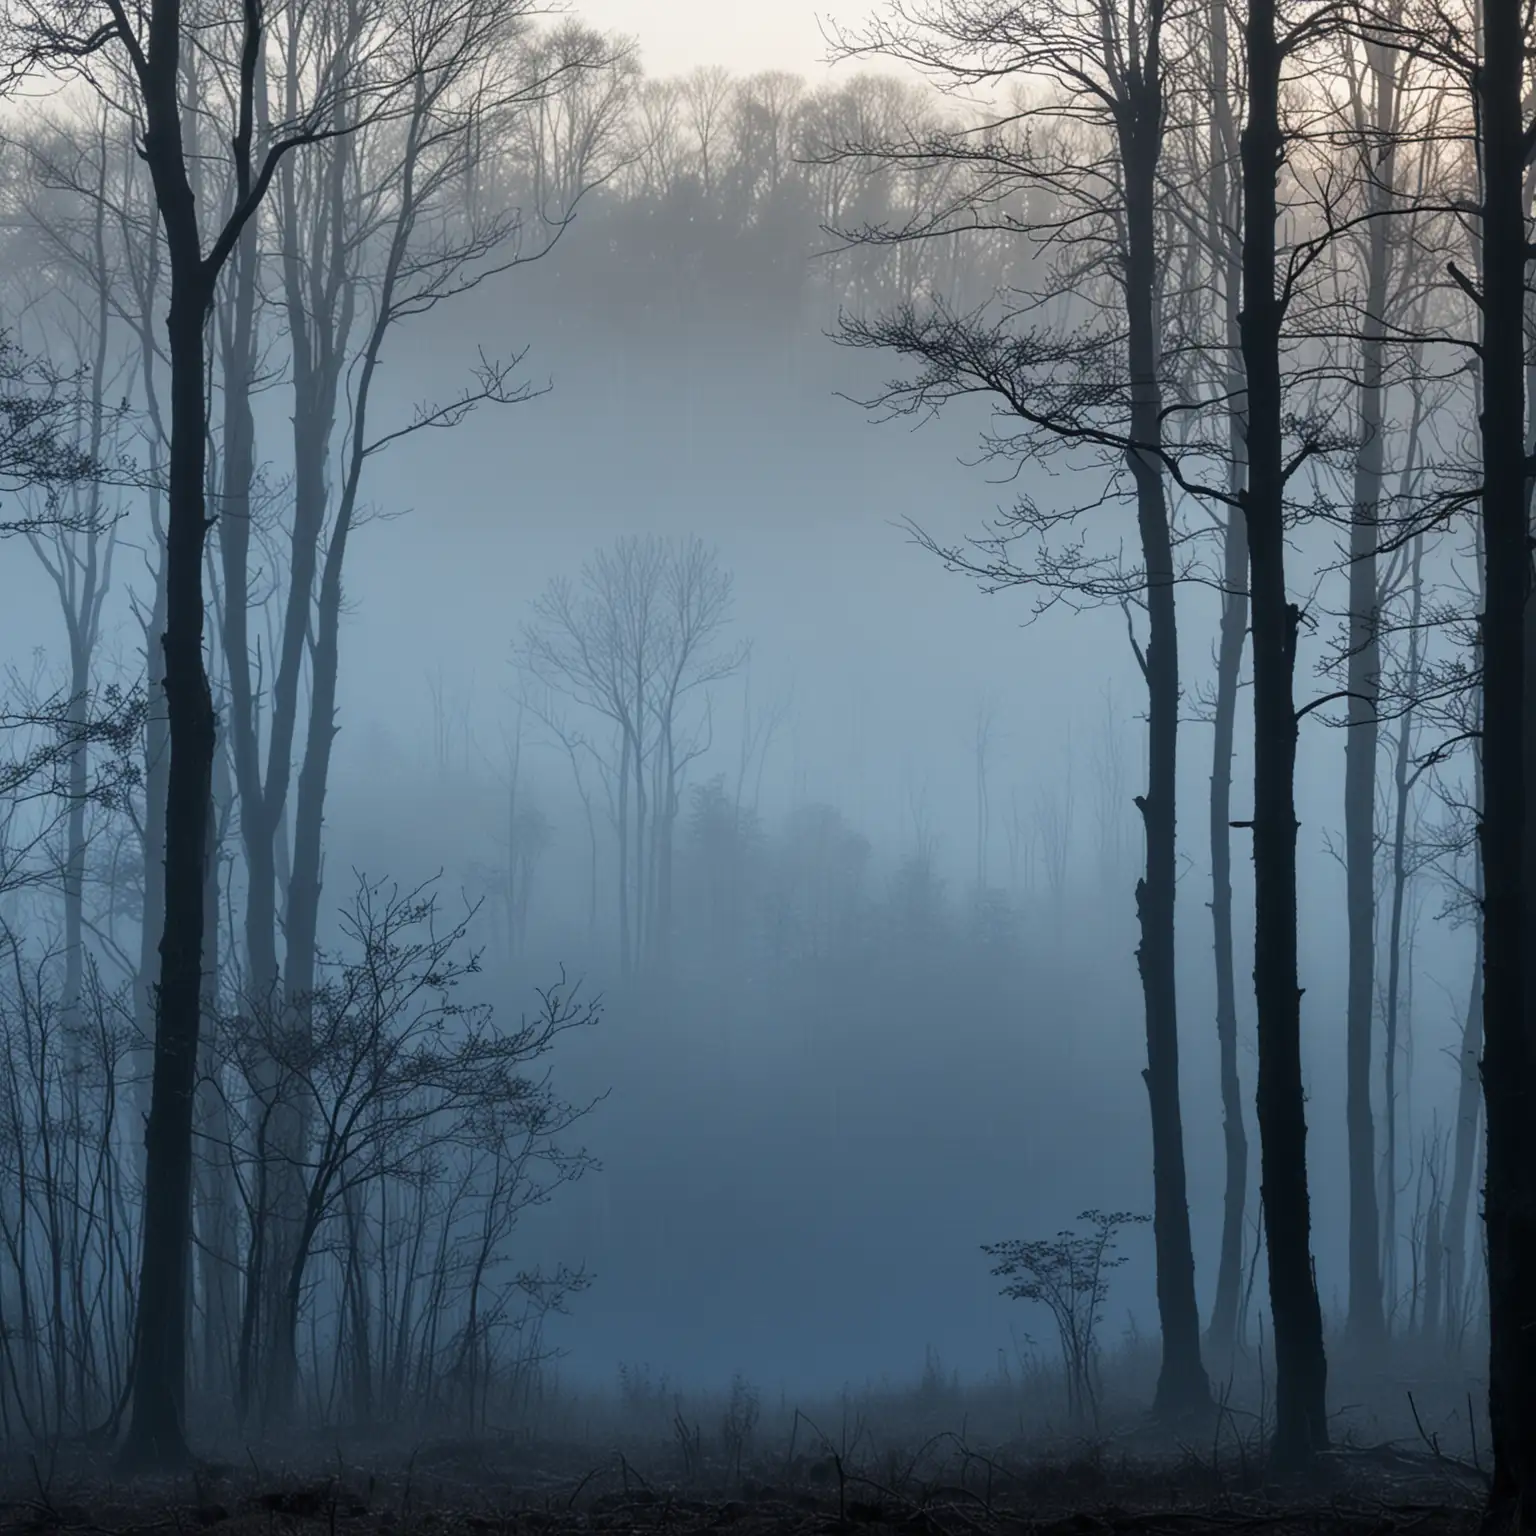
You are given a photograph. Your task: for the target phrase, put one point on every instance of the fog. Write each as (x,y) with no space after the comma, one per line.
(797,1187)
(810,1106)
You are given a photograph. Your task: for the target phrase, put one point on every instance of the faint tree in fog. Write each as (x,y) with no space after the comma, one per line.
(762,125)
(1386,147)
(822,868)
(916,907)
(1021,846)
(1376,112)
(706,93)
(575,138)
(759,728)
(530,835)
(1053,840)
(722,852)
(660,148)
(1218,223)
(1405,858)
(981,746)
(634,640)
(372,233)
(1109,785)
(584,760)
(71,183)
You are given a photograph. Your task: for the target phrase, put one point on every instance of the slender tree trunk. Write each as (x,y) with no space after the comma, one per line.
(1366,1324)
(319,306)
(1402,790)
(314,775)
(214,1197)
(1469,1106)
(1470,1150)
(1234,625)
(626,945)
(74,838)
(1301,1422)
(238,465)
(1229,663)
(156,1435)
(514,886)
(262,796)
(665,821)
(357,1298)
(201,1166)
(82,595)
(1182,1385)
(1508,1071)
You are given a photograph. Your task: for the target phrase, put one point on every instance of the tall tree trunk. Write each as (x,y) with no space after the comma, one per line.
(314,776)
(1366,1324)
(1229,663)
(1402,788)
(1182,1386)
(156,1435)
(1465,1151)
(626,944)
(318,299)
(1508,1071)
(238,465)
(215,1204)
(82,594)
(262,793)
(1301,1371)
(359,1312)
(205,1048)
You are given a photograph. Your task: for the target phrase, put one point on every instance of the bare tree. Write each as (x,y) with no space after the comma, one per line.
(1496,73)
(1301,1384)
(1374,87)
(1076,368)
(398,1070)
(634,643)
(79,165)
(142,55)
(1222,223)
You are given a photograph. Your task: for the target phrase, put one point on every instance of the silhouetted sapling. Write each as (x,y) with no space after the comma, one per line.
(1069,1273)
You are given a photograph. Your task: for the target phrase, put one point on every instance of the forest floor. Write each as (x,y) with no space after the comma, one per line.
(521,1490)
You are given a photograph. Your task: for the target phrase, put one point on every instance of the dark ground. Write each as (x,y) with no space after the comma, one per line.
(943,1488)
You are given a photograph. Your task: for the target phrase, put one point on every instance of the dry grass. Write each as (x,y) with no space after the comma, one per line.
(945,1487)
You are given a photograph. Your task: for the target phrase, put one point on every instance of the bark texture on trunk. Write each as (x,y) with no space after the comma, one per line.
(1508,1073)
(157,766)
(1182,1386)
(1229,663)
(1469,1108)
(1301,1371)
(1366,1322)
(156,1435)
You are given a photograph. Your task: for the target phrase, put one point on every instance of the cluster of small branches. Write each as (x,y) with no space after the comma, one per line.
(1069,1274)
(39,448)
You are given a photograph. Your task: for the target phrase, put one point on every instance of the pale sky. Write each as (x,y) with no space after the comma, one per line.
(743,35)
